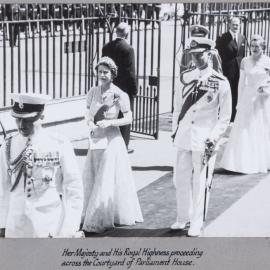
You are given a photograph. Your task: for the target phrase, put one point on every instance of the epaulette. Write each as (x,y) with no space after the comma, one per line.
(8,144)
(9,137)
(219,76)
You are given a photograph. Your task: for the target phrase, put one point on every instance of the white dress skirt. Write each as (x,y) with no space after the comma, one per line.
(248,147)
(110,195)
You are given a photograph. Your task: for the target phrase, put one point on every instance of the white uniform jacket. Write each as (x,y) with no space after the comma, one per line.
(202,108)
(50,202)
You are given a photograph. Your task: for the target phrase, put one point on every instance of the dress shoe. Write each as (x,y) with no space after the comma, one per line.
(178,226)
(194,232)
(130,151)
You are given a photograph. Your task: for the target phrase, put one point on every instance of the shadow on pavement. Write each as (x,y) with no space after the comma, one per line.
(125,232)
(153,168)
(226,172)
(80,151)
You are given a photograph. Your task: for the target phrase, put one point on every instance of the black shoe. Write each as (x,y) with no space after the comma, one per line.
(130,151)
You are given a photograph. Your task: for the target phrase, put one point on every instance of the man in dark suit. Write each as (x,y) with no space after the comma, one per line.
(231,48)
(123,55)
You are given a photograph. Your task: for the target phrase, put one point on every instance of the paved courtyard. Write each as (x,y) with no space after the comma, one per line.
(152,164)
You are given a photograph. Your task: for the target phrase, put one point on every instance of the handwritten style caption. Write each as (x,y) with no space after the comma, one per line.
(126,258)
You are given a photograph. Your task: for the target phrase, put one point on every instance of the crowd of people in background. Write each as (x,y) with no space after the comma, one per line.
(39,12)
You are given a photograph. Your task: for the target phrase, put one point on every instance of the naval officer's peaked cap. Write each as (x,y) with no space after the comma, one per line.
(200,44)
(28,104)
(198,30)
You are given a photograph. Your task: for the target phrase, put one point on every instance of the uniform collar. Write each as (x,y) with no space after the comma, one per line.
(196,75)
(204,73)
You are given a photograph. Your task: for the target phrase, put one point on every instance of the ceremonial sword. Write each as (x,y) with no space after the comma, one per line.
(209,149)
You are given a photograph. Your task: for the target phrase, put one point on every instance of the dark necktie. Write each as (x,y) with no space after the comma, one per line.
(234,39)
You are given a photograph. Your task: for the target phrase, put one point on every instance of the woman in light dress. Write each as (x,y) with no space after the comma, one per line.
(248,147)
(109,191)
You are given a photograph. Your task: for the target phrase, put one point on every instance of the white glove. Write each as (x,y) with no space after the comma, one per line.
(126,120)
(104,123)
(92,126)
(263,90)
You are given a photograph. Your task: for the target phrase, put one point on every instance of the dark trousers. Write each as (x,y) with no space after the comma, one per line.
(234,90)
(125,130)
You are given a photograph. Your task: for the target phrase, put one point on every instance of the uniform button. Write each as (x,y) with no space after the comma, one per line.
(29,189)
(192,122)
(28,195)
(29,183)
(194,110)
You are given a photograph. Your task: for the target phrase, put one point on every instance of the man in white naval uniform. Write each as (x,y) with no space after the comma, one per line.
(202,111)
(41,193)
(186,59)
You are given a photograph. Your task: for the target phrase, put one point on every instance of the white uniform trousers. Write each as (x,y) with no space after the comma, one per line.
(190,182)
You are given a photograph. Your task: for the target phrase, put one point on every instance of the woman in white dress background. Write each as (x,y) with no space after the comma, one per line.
(248,147)
(109,191)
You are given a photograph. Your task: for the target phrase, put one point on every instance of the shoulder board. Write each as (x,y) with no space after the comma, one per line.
(11,135)
(218,76)
(8,138)
(8,146)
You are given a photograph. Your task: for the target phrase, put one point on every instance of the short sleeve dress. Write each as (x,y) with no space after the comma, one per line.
(110,195)
(248,147)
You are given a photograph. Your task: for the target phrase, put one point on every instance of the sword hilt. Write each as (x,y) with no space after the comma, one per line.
(209,149)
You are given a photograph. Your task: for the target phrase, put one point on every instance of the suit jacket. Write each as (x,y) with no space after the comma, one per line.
(123,55)
(231,53)
(208,117)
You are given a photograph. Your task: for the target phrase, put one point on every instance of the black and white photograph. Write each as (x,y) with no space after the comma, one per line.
(135,121)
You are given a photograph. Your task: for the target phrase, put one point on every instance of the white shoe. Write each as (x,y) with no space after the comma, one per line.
(194,232)
(178,226)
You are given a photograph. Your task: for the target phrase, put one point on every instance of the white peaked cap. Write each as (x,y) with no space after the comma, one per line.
(28,104)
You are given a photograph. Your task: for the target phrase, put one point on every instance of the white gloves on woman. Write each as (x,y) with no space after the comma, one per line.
(125,120)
